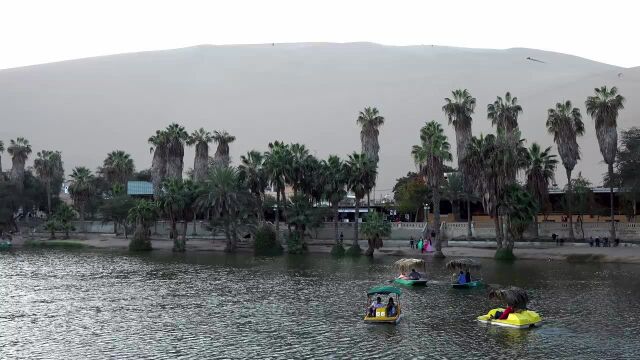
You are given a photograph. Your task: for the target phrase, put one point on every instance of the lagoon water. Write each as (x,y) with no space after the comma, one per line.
(91,304)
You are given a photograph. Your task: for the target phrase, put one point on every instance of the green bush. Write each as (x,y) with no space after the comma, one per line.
(354,251)
(59,244)
(266,243)
(504,255)
(338,250)
(140,241)
(295,244)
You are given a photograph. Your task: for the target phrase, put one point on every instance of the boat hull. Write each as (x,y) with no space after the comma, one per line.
(520,320)
(420,282)
(469,285)
(383,319)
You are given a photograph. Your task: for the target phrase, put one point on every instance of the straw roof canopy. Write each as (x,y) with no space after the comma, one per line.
(408,264)
(513,296)
(462,264)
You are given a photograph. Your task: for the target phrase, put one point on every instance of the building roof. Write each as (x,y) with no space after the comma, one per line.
(594,189)
(143,188)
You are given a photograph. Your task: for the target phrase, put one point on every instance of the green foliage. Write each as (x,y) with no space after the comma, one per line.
(117,168)
(354,251)
(266,243)
(143,214)
(295,243)
(63,217)
(520,207)
(504,254)
(338,250)
(116,208)
(411,193)
(375,228)
(58,244)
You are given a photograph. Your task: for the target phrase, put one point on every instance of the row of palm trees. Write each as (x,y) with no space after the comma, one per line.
(491,163)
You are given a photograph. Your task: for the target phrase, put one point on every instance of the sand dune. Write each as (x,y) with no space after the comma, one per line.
(309,93)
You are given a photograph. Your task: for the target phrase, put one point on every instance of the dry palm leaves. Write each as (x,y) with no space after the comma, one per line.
(409,264)
(513,296)
(463,264)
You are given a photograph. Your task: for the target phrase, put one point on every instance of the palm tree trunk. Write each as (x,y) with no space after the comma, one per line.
(48,184)
(570,205)
(277,215)
(227,231)
(613,223)
(496,222)
(368,201)
(83,226)
(469,233)
(436,223)
(335,222)
(355,226)
(194,223)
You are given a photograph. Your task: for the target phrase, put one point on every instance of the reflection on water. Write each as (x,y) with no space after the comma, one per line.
(93,304)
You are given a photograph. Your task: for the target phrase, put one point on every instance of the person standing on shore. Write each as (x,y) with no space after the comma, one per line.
(420,244)
(411,242)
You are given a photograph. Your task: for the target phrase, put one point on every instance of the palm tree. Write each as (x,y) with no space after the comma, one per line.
(1,152)
(360,171)
(48,166)
(375,228)
(117,168)
(276,165)
(604,107)
(565,124)
(252,173)
(176,139)
(541,166)
(19,149)
(335,183)
(223,139)
(370,120)
(459,111)
(429,156)
(299,159)
(143,214)
(81,189)
(503,113)
(159,162)
(201,139)
(179,201)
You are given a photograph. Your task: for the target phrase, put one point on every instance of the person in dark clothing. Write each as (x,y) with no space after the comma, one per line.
(341,237)
(597,242)
(411,242)
(391,308)
(467,276)
(616,242)
(555,238)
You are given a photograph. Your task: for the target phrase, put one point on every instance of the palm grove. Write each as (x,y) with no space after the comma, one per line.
(232,200)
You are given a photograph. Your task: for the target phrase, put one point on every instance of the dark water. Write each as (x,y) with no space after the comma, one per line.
(92,304)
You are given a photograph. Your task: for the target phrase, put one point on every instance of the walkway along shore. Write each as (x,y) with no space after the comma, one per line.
(573,252)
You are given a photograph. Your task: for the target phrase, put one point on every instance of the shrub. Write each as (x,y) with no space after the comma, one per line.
(354,251)
(266,243)
(338,250)
(504,255)
(295,244)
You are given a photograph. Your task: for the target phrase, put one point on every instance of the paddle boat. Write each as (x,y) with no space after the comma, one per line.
(5,245)
(464,265)
(407,265)
(516,299)
(378,315)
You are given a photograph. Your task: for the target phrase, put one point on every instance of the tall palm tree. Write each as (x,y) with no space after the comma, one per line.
(159,162)
(117,168)
(296,172)
(565,124)
(201,139)
(370,121)
(459,110)
(19,149)
(604,107)
(276,166)
(176,139)
(81,189)
(252,172)
(48,167)
(541,166)
(1,152)
(335,183)
(360,170)
(430,156)
(503,113)
(179,201)
(223,139)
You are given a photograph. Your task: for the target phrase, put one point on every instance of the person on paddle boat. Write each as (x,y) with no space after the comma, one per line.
(461,278)
(404,276)
(504,315)
(391,308)
(467,276)
(375,305)
(414,275)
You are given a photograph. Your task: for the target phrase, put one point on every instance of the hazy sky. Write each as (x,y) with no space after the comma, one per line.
(33,32)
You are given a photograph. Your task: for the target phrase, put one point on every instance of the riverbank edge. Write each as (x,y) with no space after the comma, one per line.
(576,253)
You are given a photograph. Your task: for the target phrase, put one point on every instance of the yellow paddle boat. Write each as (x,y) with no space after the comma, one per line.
(518,317)
(464,265)
(406,267)
(376,311)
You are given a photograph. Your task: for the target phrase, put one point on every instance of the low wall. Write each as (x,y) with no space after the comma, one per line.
(624,231)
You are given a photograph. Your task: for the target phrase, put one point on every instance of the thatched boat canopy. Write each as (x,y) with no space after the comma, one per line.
(463,264)
(513,296)
(408,264)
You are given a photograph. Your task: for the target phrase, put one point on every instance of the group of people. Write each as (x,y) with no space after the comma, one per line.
(464,277)
(413,275)
(605,242)
(390,310)
(423,245)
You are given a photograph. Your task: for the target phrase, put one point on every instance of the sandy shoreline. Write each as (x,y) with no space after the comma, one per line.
(547,251)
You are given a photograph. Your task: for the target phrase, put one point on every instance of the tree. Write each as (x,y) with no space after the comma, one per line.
(628,165)
(1,152)
(176,139)
(360,170)
(19,149)
(116,208)
(583,200)
(144,213)
(411,194)
(159,143)
(201,139)
(48,166)
(370,121)
(565,124)
(335,184)
(179,201)
(541,166)
(375,228)
(276,165)
(223,139)
(459,111)
(81,189)
(252,173)
(453,190)
(521,208)
(430,156)
(63,217)
(117,168)
(296,171)
(302,215)
(503,113)
(604,107)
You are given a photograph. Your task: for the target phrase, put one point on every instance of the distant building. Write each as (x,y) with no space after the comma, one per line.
(143,189)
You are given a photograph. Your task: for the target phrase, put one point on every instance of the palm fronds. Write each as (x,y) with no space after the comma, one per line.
(462,264)
(512,296)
